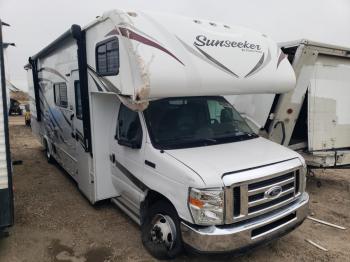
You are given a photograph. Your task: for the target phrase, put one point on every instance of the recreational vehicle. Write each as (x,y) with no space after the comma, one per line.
(313,118)
(132,107)
(6,194)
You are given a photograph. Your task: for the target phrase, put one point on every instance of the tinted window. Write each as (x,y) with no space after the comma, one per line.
(129,126)
(60,94)
(107,57)
(78,104)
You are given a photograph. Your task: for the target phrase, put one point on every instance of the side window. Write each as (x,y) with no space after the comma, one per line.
(129,130)
(78,103)
(107,57)
(60,94)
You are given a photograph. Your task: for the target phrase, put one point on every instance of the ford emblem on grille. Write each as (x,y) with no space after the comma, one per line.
(273,192)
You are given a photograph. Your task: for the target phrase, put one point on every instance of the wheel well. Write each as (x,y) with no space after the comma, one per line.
(151,198)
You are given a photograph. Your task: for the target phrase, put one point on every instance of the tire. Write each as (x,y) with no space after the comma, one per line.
(48,155)
(161,218)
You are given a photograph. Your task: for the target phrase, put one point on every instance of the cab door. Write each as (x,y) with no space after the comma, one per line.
(127,156)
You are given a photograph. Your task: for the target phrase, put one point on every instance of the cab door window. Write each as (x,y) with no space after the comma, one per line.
(129,129)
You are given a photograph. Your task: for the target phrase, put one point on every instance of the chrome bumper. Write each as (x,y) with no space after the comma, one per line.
(243,234)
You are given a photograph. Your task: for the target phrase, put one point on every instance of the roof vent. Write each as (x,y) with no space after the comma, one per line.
(226,26)
(197,21)
(213,24)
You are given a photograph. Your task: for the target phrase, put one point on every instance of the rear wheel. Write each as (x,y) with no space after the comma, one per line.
(161,231)
(48,155)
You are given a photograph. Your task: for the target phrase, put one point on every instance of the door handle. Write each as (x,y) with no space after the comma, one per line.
(71,116)
(112,157)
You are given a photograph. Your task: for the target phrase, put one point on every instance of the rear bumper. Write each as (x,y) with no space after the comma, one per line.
(245,234)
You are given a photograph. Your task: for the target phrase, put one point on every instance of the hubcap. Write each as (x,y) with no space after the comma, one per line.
(163,231)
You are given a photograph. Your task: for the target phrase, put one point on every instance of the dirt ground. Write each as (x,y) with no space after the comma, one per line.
(54,222)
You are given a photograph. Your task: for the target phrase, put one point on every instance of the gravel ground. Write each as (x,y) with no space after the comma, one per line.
(54,222)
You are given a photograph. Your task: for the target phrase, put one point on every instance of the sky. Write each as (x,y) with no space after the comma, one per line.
(35,23)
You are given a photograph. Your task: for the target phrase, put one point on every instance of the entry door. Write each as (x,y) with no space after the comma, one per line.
(127,159)
(85,182)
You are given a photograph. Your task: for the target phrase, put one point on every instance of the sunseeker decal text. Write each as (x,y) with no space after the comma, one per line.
(202,40)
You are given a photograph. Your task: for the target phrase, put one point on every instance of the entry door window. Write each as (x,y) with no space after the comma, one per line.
(78,102)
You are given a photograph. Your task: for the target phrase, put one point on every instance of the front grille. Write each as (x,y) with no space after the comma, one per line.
(272,226)
(257,192)
(255,197)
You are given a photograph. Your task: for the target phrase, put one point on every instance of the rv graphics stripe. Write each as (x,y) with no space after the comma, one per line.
(50,111)
(53,71)
(128,33)
(216,62)
(97,84)
(131,177)
(65,118)
(205,58)
(257,66)
(108,85)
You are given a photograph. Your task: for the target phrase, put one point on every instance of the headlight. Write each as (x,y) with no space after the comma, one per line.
(207,206)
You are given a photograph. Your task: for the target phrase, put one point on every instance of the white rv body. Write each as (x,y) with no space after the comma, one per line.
(154,63)
(315,115)
(6,190)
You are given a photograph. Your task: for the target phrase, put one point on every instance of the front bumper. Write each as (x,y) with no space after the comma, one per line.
(242,235)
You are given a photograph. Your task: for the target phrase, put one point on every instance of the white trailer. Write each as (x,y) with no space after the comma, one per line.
(313,118)
(131,107)
(6,193)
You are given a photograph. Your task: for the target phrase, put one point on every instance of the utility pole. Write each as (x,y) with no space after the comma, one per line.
(6,188)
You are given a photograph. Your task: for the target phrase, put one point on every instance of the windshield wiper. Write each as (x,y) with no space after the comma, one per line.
(238,137)
(180,142)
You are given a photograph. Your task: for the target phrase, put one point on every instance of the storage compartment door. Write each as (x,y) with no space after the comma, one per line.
(329,104)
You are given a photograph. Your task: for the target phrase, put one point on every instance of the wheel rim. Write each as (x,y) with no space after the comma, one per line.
(48,155)
(163,231)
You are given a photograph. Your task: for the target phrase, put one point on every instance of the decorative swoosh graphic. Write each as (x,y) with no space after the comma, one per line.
(97,84)
(128,33)
(205,58)
(107,85)
(53,71)
(209,59)
(257,66)
(216,62)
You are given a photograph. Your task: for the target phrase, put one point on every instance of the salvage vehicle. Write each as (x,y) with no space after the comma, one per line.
(313,118)
(15,108)
(132,107)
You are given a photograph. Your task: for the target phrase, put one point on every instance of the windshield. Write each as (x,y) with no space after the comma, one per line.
(194,121)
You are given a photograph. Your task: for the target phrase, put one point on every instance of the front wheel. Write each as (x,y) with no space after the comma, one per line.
(161,234)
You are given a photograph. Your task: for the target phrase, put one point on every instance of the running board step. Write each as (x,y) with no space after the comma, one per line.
(121,203)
